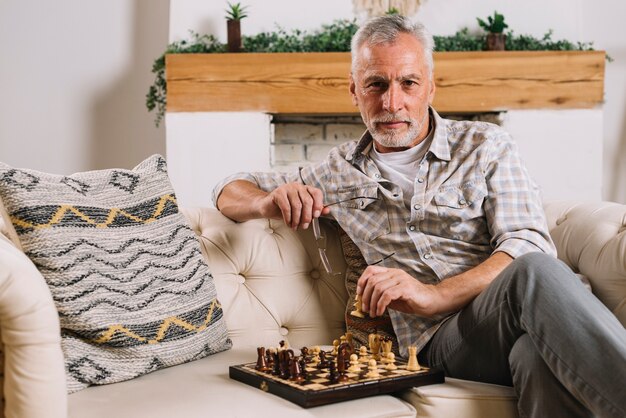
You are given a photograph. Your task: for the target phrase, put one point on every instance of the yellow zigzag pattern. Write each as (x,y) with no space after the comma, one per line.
(113,213)
(113,329)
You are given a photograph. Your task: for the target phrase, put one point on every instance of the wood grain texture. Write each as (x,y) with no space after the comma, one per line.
(317,83)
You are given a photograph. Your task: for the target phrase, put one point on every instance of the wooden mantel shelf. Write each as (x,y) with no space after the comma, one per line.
(317,83)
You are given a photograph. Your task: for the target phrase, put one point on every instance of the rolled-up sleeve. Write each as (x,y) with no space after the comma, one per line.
(266,181)
(513,206)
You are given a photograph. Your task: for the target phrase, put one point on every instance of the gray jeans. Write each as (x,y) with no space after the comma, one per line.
(538,329)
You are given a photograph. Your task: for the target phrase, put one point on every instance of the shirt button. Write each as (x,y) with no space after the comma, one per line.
(462,202)
(412,228)
(420,180)
(417,207)
(377,175)
(428,256)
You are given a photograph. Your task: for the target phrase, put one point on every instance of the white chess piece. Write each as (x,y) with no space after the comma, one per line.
(355,367)
(391,362)
(372,369)
(363,357)
(413,365)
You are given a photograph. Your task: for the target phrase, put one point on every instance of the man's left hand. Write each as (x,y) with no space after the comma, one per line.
(381,288)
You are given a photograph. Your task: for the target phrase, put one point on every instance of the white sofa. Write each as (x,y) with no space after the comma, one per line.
(272,287)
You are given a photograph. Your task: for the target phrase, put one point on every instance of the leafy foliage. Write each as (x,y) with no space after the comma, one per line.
(156,97)
(496,23)
(334,37)
(392,11)
(236,11)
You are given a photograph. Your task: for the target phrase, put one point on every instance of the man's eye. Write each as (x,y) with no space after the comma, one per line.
(376,85)
(409,83)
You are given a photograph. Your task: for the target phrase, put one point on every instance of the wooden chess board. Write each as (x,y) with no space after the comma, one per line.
(317,389)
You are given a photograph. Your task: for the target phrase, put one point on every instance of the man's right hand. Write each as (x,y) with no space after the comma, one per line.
(295,203)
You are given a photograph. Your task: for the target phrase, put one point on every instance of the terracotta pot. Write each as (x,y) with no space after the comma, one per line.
(495,41)
(234,35)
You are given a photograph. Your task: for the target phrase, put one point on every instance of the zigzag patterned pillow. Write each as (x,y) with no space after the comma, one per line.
(125,270)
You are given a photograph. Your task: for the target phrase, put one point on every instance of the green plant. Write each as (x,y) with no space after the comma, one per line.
(392,11)
(236,11)
(156,99)
(496,23)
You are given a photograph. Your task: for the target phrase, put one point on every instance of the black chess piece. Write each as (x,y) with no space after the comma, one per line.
(294,370)
(275,363)
(261,363)
(332,373)
(303,371)
(324,362)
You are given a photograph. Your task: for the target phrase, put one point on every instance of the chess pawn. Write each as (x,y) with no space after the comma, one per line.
(372,369)
(303,371)
(332,373)
(413,365)
(355,367)
(363,357)
(391,362)
(358,307)
(349,340)
(335,345)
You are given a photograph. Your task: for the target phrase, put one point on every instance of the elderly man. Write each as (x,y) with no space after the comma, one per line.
(469,274)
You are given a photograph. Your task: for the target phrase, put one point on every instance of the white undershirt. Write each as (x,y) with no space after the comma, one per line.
(401,167)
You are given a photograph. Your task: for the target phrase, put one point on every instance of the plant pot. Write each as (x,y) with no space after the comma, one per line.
(495,41)
(234,35)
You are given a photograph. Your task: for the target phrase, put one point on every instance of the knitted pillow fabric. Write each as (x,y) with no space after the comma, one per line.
(129,281)
(361,327)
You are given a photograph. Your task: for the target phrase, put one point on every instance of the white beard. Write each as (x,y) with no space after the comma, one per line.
(391,139)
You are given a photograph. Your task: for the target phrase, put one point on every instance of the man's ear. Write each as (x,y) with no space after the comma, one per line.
(353,91)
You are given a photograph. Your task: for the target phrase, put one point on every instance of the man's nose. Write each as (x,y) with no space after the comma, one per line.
(393,99)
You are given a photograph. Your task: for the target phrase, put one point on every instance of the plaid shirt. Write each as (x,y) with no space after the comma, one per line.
(472,197)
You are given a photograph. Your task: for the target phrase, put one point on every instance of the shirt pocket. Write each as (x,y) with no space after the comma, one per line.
(360,210)
(460,211)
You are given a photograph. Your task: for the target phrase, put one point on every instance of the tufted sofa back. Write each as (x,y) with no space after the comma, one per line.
(272,286)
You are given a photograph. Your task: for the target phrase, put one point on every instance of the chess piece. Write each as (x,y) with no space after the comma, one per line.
(386,345)
(275,362)
(363,357)
(324,362)
(303,371)
(283,344)
(374,344)
(304,352)
(335,345)
(295,371)
(391,362)
(316,356)
(349,340)
(332,373)
(355,367)
(261,362)
(413,365)
(358,306)
(269,357)
(372,369)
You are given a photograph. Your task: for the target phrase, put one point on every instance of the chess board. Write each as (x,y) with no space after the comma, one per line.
(317,390)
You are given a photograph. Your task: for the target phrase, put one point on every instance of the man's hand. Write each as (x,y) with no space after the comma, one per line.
(382,287)
(295,203)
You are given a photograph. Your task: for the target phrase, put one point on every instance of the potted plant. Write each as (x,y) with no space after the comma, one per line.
(234,14)
(494,28)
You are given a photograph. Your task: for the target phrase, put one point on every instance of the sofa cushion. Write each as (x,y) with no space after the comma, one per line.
(203,389)
(126,273)
(462,399)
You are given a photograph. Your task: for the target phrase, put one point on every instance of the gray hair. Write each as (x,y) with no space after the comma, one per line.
(385,29)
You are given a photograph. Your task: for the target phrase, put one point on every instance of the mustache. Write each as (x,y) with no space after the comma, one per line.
(392,117)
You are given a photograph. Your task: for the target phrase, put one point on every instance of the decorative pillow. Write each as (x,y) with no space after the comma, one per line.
(361,327)
(125,270)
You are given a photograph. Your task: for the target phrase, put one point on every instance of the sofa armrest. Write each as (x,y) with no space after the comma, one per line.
(34,374)
(270,281)
(590,237)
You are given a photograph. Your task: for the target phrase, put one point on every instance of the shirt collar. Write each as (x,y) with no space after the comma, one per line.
(439,147)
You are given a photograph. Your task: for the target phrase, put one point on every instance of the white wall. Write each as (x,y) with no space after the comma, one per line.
(73,80)
(603,130)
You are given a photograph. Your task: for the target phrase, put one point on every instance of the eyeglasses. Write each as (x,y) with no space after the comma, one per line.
(321,243)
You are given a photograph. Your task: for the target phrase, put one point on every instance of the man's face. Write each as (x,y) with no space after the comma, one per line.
(392,87)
